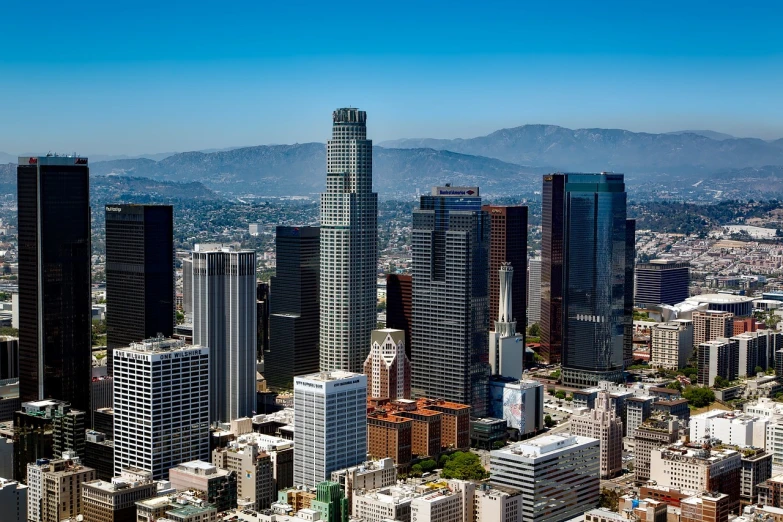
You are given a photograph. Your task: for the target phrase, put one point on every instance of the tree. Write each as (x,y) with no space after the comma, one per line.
(498,444)
(416,470)
(464,465)
(758,369)
(534,330)
(548,421)
(443,460)
(180,317)
(560,394)
(689,371)
(428,465)
(675,385)
(610,499)
(569,398)
(721,382)
(699,397)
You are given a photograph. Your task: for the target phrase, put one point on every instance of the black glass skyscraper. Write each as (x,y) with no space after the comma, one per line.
(552,208)
(450,354)
(139,274)
(54,279)
(294,307)
(594,273)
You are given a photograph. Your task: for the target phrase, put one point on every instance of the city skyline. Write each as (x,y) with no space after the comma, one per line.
(454,69)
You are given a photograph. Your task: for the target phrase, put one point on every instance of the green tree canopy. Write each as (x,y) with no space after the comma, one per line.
(464,465)
(548,421)
(699,397)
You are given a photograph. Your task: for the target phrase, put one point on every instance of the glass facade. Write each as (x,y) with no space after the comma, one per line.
(55,317)
(552,267)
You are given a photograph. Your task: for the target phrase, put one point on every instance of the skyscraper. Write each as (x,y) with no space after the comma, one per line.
(594,247)
(508,244)
(534,291)
(506,346)
(293,322)
(552,217)
(224,320)
(399,306)
(450,354)
(330,424)
(139,274)
(161,405)
(662,281)
(630,265)
(387,368)
(349,245)
(55,317)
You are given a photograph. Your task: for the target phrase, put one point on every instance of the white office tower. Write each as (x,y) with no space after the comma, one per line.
(558,475)
(224,320)
(161,405)
(534,290)
(506,346)
(349,245)
(330,424)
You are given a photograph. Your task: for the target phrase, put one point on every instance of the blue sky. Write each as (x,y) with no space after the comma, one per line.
(144,77)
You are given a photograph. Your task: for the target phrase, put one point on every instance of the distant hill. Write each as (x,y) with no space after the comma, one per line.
(610,149)
(300,169)
(719,136)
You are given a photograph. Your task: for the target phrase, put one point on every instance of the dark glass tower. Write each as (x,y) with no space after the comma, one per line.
(630,265)
(139,274)
(508,244)
(399,306)
(552,208)
(55,306)
(450,354)
(594,272)
(294,307)
(662,281)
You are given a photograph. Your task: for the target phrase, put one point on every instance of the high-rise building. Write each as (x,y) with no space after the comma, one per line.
(387,368)
(602,423)
(630,264)
(187,286)
(349,246)
(262,318)
(13,498)
(711,325)
(506,346)
(294,316)
(662,281)
(508,245)
(218,486)
(558,475)
(671,344)
(590,211)
(718,358)
(55,301)
(55,488)
(552,252)
(224,320)
(450,354)
(399,306)
(330,424)
(519,403)
(390,436)
(9,357)
(115,500)
(139,274)
(534,290)
(658,430)
(161,405)
(99,454)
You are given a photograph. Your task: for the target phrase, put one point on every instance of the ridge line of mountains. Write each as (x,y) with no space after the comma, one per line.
(508,161)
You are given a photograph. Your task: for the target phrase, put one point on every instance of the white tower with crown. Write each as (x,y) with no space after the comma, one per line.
(506,346)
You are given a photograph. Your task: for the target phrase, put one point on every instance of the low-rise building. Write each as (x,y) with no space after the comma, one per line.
(115,500)
(369,476)
(185,506)
(61,487)
(390,436)
(659,430)
(756,469)
(219,486)
(439,506)
(388,503)
(706,507)
(729,427)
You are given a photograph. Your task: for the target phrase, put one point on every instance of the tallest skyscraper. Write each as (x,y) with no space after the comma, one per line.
(349,245)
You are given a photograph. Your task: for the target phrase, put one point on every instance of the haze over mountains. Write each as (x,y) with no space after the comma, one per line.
(507,161)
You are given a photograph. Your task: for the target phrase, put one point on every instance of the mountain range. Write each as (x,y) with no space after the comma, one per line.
(508,161)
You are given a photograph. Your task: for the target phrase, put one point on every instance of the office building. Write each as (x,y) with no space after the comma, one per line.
(671,344)
(637,409)
(330,424)
(224,320)
(387,503)
(294,307)
(369,476)
(709,325)
(9,357)
(756,351)
(602,423)
(55,488)
(161,405)
(187,287)
(552,250)
(506,346)
(661,281)
(519,403)
(658,430)
(558,475)
(115,500)
(628,289)
(399,306)
(218,486)
(450,297)
(584,223)
(263,465)
(708,506)
(731,428)
(534,291)
(387,368)
(13,498)
(718,358)
(46,429)
(349,245)
(756,468)
(443,505)
(330,503)
(508,246)
(139,274)
(55,318)
(389,436)
(99,454)
(690,467)
(185,506)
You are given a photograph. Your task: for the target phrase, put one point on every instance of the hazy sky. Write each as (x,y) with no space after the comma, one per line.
(144,77)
